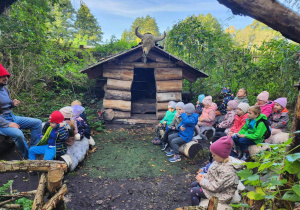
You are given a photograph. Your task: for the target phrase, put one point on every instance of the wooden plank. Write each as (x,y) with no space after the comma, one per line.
(132,56)
(121,74)
(162,106)
(166,97)
(135,121)
(167,86)
(151,65)
(160,114)
(156,57)
(128,66)
(168,74)
(142,108)
(122,115)
(117,104)
(189,76)
(117,95)
(114,84)
(95,72)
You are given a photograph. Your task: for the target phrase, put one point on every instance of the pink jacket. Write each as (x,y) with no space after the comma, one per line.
(239,122)
(228,120)
(267,109)
(209,115)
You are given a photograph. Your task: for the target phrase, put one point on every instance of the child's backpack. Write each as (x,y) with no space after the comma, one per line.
(268,126)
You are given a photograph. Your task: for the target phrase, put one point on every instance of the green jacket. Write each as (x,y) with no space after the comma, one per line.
(168,117)
(253,133)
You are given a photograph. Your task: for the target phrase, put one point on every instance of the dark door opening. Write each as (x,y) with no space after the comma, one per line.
(143,92)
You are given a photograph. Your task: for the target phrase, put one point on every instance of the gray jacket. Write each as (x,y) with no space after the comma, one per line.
(6,105)
(176,121)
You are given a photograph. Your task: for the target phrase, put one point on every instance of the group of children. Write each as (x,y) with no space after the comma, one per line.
(63,128)
(241,126)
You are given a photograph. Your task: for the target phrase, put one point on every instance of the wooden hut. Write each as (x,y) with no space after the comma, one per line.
(136,91)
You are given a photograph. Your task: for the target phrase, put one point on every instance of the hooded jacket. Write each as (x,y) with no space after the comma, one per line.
(209,114)
(228,120)
(226,92)
(239,122)
(240,100)
(168,117)
(279,120)
(189,122)
(221,180)
(253,132)
(267,108)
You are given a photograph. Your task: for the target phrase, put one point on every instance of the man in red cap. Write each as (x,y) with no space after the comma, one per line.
(10,124)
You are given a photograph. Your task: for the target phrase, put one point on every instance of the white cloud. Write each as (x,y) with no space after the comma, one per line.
(132,9)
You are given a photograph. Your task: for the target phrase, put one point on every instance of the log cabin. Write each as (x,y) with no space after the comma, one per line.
(139,92)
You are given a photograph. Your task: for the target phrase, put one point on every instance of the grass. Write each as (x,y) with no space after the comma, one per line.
(130,154)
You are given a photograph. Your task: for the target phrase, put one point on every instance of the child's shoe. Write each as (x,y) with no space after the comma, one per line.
(164,146)
(171,153)
(245,156)
(175,158)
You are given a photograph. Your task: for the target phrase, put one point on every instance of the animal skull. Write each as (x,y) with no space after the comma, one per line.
(148,41)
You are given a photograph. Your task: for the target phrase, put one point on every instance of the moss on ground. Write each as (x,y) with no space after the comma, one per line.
(130,154)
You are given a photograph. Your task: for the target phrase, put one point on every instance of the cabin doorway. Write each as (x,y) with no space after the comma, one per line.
(143,93)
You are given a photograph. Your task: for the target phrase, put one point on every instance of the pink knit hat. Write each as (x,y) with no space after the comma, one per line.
(207,100)
(222,147)
(281,101)
(263,96)
(233,104)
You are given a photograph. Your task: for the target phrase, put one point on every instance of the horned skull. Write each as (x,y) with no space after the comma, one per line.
(148,41)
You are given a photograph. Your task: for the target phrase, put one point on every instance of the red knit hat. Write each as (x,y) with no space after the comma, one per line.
(3,71)
(56,117)
(222,147)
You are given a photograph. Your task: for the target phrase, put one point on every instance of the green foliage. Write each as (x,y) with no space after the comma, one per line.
(266,181)
(87,25)
(5,187)
(146,25)
(25,202)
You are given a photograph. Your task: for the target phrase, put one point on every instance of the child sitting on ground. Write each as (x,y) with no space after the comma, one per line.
(207,118)
(168,118)
(242,96)
(172,128)
(280,117)
(228,121)
(265,105)
(199,105)
(185,135)
(221,180)
(53,143)
(252,132)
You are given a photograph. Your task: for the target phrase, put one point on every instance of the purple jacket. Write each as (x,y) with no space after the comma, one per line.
(228,120)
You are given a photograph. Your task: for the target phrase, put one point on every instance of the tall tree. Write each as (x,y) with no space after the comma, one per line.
(87,25)
(146,25)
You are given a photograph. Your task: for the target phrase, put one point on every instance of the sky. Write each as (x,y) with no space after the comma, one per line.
(114,16)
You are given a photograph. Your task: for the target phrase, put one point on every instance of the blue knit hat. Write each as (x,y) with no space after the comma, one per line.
(201,97)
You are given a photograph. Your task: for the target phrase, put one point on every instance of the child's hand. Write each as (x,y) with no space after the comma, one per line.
(182,128)
(218,113)
(199,171)
(199,177)
(173,128)
(242,135)
(200,119)
(230,133)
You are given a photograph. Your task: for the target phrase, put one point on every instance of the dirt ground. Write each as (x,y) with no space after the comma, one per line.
(137,177)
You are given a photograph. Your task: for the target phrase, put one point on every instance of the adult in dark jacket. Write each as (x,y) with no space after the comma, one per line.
(10,124)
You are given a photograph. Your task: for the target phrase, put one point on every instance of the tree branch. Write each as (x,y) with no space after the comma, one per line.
(269,12)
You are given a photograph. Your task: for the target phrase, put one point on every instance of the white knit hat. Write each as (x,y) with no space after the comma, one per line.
(172,105)
(67,112)
(244,106)
(207,100)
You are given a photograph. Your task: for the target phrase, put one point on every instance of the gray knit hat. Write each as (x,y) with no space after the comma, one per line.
(172,105)
(244,106)
(67,112)
(180,104)
(189,108)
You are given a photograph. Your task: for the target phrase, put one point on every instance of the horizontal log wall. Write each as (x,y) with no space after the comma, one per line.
(160,114)
(161,106)
(168,85)
(114,84)
(170,96)
(122,115)
(117,95)
(117,104)
(162,74)
(121,74)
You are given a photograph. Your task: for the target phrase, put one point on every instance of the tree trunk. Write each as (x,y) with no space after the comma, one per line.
(270,12)
(54,182)
(56,198)
(39,196)
(31,165)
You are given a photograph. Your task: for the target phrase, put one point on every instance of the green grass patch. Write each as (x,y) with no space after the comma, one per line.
(130,154)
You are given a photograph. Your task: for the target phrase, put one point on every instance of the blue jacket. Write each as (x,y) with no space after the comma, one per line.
(189,123)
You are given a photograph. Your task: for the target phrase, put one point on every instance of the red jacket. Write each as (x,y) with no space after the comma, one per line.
(239,122)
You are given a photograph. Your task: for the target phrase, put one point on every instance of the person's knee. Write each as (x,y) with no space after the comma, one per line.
(37,122)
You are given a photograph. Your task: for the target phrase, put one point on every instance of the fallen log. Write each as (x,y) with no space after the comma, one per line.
(39,196)
(31,165)
(54,182)
(56,198)
(12,206)
(21,194)
(213,203)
